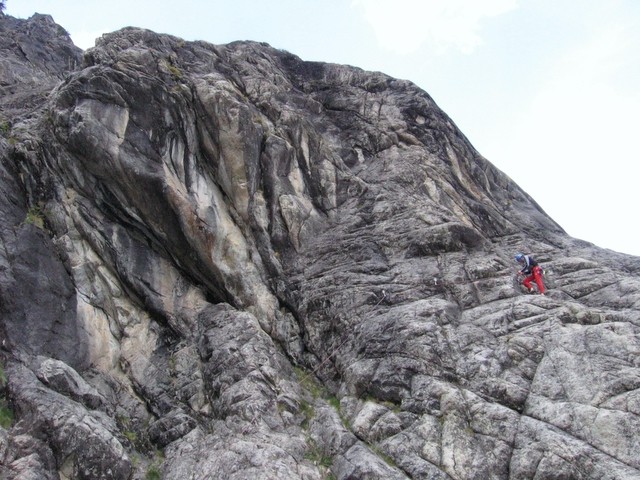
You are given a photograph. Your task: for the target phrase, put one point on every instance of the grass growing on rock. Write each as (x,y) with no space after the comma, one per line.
(6,414)
(314,454)
(153,473)
(308,382)
(35,216)
(308,411)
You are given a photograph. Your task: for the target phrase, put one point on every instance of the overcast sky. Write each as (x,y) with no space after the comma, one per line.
(546,90)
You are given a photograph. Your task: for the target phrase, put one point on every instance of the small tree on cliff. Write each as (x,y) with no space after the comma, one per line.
(2,6)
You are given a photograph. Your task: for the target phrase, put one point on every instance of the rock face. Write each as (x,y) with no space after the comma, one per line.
(226,262)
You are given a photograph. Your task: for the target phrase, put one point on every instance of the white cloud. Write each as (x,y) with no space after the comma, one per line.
(587,108)
(403,26)
(574,148)
(85,39)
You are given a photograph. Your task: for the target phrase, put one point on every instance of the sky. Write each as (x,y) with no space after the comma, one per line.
(547,90)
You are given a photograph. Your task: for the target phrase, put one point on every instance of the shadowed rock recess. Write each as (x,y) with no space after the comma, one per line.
(222,261)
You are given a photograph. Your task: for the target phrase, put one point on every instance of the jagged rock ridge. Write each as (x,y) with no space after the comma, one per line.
(268,268)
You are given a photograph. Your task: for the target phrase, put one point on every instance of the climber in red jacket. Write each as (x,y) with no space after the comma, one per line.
(532,272)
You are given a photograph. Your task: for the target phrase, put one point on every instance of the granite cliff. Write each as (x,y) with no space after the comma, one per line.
(222,261)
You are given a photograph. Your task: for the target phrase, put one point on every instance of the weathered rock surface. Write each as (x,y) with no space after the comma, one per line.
(226,262)
(35,55)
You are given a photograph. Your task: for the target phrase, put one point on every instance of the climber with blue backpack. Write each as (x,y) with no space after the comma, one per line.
(531,271)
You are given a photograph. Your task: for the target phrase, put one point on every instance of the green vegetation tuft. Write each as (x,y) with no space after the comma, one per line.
(309,383)
(388,460)
(315,455)
(35,217)
(131,436)
(175,71)
(308,411)
(334,402)
(5,127)
(6,414)
(153,473)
